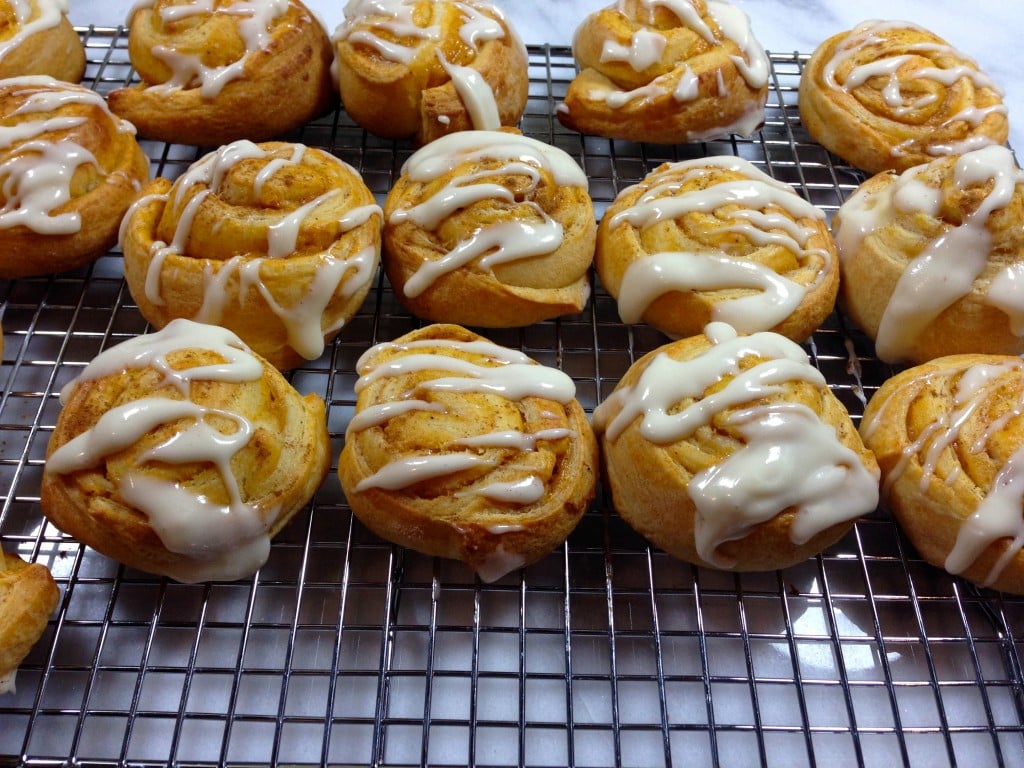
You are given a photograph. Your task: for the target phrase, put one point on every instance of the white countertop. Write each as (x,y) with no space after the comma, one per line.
(986,30)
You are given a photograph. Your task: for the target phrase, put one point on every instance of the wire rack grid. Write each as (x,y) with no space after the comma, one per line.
(344,649)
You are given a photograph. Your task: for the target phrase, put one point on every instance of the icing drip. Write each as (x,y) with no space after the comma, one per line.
(32,16)
(790,460)
(223,541)
(498,243)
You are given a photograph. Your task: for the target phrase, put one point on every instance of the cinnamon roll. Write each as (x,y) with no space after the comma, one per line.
(490,229)
(932,259)
(36,38)
(214,71)
(949,437)
(666,71)
(891,95)
(464,449)
(28,595)
(279,242)
(182,453)
(731,452)
(716,239)
(69,170)
(420,69)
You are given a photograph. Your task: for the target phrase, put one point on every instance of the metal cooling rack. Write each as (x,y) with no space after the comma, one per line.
(346,650)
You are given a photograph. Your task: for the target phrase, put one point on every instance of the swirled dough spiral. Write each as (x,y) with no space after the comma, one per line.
(666,71)
(716,239)
(279,242)
(214,71)
(467,450)
(420,69)
(183,453)
(731,452)
(949,437)
(69,170)
(892,95)
(36,38)
(28,595)
(932,260)
(490,229)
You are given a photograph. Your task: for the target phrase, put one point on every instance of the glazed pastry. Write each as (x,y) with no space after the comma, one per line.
(717,239)
(891,95)
(420,69)
(214,71)
(932,260)
(467,450)
(278,242)
(731,452)
(69,169)
(36,38)
(28,595)
(949,437)
(666,71)
(490,229)
(182,453)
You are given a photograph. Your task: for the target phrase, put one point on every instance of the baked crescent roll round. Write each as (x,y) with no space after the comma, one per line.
(36,38)
(28,595)
(216,71)
(932,260)
(716,239)
(731,452)
(490,229)
(891,95)
(182,453)
(69,169)
(278,242)
(420,69)
(949,437)
(666,71)
(464,449)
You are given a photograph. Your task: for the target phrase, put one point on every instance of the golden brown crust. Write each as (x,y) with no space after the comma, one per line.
(721,255)
(412,94)
(277,470)
(849,108)
(283,82)
(36,238)
(449,515)
(704,84)
(28,595)
(941,441)
(551,283)
(55,49)
(285,303)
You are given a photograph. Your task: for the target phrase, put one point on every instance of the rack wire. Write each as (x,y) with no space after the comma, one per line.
(344,649)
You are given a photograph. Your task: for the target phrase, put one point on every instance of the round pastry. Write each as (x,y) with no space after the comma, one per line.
(28,595)
(36,38)
(888,95)
(420,69)
(666,71)
(69,169)
(278,242)
(949,437)
(731,452)
(716,239)
(216,71)
(490,229)
(182,453)
(464,449)
(932,260)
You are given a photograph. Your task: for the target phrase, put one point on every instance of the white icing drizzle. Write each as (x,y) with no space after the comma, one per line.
(645,49)
(221,541)
(32,16)
(255,18)
(476,94)
(791,460)
(498,243)
(646,279)
(946,270)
